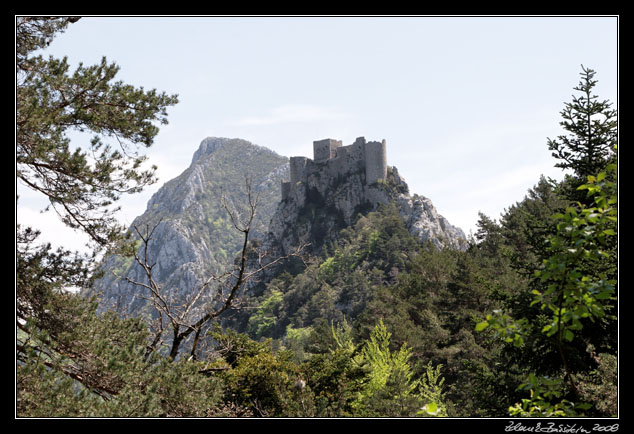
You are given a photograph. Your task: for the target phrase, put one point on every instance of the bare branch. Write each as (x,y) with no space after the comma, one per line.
(218,293)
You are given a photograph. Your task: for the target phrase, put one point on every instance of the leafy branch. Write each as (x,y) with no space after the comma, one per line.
(571,294)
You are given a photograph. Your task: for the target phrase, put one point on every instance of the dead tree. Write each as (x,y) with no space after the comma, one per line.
(222,291)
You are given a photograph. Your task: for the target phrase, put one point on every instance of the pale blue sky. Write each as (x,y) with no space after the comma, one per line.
(465,103)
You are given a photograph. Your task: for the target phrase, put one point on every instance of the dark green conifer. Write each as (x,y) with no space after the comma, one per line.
(591,125)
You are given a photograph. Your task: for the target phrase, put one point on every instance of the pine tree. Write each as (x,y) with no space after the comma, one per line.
(80,181)
(592,128)
(69,361)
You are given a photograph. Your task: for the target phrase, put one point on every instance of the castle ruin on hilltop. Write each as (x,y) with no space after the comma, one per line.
(332,160)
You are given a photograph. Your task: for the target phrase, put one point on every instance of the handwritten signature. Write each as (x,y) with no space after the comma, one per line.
(552,427)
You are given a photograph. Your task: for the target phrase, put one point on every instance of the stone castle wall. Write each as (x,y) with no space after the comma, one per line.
(298,169)
(325,149)
(375,161)
(332,159)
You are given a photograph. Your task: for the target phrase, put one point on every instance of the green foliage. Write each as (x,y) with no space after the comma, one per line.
(591,125)
(390,388)
(380,361)
(264,318)
(543,391)
(345,379)
(527,225)
(258,381)
(432,304)
(431,384)
(81,182)
(296,340)
(342,336)
(573,291)
(573,284)
(571,294)
(167,389)
(73,363)
(505,327)
(262,382)
(599,387)
(332,375)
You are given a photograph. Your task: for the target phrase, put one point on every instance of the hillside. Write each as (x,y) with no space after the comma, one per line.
(194,235)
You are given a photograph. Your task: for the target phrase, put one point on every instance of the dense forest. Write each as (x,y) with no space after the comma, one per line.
(521,323)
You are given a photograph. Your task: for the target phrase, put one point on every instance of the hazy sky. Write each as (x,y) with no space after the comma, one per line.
(465,104)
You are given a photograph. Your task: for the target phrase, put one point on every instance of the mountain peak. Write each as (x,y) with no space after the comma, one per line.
(210,145)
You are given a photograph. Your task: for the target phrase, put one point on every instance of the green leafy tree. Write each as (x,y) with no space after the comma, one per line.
(573,292)
(546,400)
(565,236)
(259,381)
(390,388)
(570,294)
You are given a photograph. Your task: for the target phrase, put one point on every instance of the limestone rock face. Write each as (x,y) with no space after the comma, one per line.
(193,233)
(426,224)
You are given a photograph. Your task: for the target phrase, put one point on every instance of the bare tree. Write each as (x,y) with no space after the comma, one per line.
(218,293)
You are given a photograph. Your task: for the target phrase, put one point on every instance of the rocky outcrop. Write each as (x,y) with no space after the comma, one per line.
(193,233)
(326,194)
(424,222)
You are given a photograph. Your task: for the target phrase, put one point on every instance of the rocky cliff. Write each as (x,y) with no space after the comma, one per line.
(325,194)
(194,234)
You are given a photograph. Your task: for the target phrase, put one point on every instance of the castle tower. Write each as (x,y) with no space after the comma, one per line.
(298,169)
(325,149)
(375,161)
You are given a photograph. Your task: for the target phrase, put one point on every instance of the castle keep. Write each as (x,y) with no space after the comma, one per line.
(332,159)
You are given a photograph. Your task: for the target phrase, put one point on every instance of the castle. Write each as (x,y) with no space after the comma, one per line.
(333,160)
